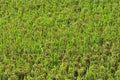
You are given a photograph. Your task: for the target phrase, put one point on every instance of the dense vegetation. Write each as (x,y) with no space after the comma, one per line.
(59,39)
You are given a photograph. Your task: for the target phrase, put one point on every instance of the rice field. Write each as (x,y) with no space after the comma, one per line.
(59,39)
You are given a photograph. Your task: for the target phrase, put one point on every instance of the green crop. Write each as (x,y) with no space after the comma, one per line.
(59,40)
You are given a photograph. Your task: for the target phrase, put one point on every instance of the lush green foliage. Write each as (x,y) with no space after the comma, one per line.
(60,39)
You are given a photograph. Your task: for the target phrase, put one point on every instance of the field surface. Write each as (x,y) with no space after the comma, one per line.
(59,39)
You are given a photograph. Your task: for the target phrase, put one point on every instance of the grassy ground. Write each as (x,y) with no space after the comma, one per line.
(59,40)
